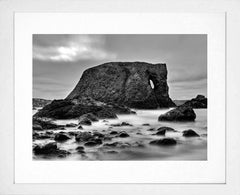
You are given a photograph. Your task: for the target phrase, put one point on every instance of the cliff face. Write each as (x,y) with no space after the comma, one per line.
(134,84)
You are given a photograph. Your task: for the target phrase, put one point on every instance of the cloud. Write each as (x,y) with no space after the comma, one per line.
(70,48)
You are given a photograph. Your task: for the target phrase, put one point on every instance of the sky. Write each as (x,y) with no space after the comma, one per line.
(59,60)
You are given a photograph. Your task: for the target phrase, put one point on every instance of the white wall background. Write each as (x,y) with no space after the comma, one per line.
(7,9)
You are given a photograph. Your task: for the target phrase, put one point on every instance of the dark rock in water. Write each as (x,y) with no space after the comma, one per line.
(58,109)
(114,144)
(161,132)
(80,149)
(151,129)
(121,124)
(73,133)
(67,109)
(50,149)
(145,124)
(125,83)
(199,102)
(87,119)
(180,113)
(71,125)
(166,129)
(111,152)
(44,124)
(125,124)
(123,134)
(90,116)
(61,137)
(49,132)
(164,142)
(98,135)
(37,127)
(113,133)
(93,143)
(84,121)
(45,149)
(83,136)
(138,144)
(190,133)
(35,135)
(80,127)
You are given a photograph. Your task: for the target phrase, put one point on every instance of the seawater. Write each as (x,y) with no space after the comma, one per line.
(186,149)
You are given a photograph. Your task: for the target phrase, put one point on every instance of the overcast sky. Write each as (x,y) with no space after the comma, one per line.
(59,60)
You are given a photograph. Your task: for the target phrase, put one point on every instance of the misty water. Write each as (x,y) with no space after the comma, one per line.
(137,147)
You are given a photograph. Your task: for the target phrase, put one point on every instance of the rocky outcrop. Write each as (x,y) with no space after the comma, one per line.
(134,84)
(50,149)
(180,113)
(44,123)
(67,109)
(38,102)
(199,102)
(60,137)
(190,133)
(164,142)
(162,130)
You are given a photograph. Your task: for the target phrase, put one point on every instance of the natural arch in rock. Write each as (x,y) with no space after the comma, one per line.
(126,83)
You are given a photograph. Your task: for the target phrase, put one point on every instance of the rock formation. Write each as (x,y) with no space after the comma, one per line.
(180,113)
(133,84)
(38,102)
(199,102)
(67,109)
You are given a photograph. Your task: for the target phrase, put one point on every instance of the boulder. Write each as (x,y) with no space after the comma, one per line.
(44,123)
(166,128)
(83,120)
(114,144)
(83,136)
(98,135)
(123,134)
(146,124)
(93,143)
(190,133)
(113,133)
(90,116)
(80,149)
(199,102)
(121,124)
(125,83)
(180,113)
(60,137)
(164,142)
(50,149)
(163,130)
(37,127)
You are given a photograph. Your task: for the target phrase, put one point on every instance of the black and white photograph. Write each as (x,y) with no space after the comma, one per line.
(119,97)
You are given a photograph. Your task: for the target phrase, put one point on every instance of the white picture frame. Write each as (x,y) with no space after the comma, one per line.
(229,185)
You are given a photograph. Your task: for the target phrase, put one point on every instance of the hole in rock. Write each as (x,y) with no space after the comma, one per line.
(151,83)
